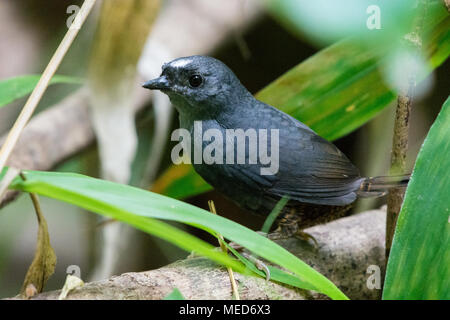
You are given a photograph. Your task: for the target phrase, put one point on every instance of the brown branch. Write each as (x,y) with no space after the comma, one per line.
(56,134)
(51,137)
(347,247)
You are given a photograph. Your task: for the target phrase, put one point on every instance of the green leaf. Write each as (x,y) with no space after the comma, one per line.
(174,295)
(419,262)
(276,274)
(274,214)
(18,87)
(167,232)
(334,92)
(135,206)
(180,182)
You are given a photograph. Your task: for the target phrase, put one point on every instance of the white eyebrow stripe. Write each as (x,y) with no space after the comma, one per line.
(181,63)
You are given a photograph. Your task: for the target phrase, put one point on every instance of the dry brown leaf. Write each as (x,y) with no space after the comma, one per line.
(43,265)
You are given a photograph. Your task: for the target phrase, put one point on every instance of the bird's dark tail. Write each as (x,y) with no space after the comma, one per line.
(379,186)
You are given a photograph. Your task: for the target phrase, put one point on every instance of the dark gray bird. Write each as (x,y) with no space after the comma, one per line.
(319,180)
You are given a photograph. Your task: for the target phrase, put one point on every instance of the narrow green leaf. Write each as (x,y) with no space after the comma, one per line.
(274,214)
(276,274)
(18,87)
(180,182)
(135,206)
(419,262)
(158,228)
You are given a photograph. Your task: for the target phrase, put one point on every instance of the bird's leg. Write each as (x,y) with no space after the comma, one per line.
(285,230)
(258,263)
(288,227)
(249,256)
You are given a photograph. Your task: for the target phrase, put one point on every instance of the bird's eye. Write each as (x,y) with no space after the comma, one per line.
(195,80)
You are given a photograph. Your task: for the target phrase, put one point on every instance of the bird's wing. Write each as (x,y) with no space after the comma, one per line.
(314,170)
(319,181)
(311,169)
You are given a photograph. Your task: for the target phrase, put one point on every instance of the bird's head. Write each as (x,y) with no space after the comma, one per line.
(198,85)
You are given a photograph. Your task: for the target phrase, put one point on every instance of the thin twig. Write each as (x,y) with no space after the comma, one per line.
(234,287)
(43,83)
(401,128)
(35,200)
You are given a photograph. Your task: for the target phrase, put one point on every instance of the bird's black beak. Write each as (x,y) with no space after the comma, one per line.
(160,83)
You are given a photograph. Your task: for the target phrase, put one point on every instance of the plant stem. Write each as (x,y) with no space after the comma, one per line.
(398,162)
(234,287)
(401,127)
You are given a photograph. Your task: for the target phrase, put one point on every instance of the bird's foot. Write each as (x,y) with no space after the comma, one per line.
(289,230)
(289,227)
(249,256)
(258,263)
(306,237)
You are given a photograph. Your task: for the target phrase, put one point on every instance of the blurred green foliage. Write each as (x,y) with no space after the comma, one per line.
(17,87)
(327,21)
